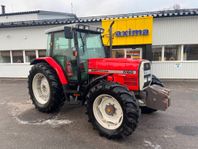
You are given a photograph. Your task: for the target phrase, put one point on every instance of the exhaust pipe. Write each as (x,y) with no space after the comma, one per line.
(2,9)
(111,38)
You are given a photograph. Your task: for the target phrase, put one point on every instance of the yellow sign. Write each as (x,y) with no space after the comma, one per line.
(129,31)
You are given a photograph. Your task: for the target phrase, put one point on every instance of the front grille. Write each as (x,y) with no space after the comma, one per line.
(147,74)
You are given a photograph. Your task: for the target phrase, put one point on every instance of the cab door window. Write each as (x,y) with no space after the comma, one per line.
(63,46)
(63,54)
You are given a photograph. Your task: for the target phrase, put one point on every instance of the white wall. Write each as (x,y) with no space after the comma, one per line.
(23,38)
(175,30)
(14,70)
(175,70)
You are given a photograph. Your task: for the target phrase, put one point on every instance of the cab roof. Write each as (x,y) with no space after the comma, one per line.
(76,26)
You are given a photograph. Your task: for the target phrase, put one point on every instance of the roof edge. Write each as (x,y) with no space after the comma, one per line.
(35,12)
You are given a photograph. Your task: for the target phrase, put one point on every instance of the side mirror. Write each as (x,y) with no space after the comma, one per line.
(68,33)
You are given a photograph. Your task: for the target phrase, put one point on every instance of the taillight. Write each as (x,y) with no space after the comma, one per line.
(69,69)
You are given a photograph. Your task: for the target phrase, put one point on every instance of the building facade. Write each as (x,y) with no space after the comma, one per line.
(173,49)
(23,38)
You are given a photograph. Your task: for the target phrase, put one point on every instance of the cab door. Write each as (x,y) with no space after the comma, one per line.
(83,55)
(63,53)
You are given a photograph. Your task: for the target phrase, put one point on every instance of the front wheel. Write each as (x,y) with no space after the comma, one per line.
(112,110)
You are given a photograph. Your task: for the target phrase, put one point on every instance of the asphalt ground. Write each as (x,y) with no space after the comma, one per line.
(23,127)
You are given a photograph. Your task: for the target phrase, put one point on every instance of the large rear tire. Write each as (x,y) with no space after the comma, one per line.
(112,110)
(45,89)
(147,110)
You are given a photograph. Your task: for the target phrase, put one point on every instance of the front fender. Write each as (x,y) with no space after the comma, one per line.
(92,84)
(54,65)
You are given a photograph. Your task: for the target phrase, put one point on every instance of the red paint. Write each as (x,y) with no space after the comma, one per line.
(55,66)
(131,81)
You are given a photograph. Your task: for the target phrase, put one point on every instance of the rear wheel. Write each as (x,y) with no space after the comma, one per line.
(44,88)
(145,109)
(112,110)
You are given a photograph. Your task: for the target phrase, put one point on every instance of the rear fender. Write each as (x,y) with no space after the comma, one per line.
(51,62)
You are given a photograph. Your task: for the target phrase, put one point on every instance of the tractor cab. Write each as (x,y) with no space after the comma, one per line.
(72,45)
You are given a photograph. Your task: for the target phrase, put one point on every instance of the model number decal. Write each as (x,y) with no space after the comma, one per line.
(129,72)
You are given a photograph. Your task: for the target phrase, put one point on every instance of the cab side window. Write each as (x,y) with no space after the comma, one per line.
(63,46)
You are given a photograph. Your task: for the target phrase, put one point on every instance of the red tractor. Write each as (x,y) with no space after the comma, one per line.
(113,89)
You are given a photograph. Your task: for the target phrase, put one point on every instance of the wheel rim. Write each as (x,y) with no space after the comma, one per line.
(108,112)
(41,88)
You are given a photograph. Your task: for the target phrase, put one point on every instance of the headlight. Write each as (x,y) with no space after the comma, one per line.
(145,80)
(98,29)
(101,30)
(81,26)
(86,27)
(149,78)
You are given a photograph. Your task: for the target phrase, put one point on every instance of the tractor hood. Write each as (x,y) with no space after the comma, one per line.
(113,65)
(134,74)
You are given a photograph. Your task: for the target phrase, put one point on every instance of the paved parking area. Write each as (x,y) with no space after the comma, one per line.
(21,126)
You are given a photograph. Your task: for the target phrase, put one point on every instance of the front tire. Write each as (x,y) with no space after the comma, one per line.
(45,89)
(112,110)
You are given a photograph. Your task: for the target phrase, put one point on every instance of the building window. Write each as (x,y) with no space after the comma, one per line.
(30,56)
(135,53)
(157,53)
(172,53)
(191,52)
(17,56)
(42,53)
(118,53)
(5,57)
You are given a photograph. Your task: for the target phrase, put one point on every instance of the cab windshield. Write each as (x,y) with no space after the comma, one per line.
(90,46)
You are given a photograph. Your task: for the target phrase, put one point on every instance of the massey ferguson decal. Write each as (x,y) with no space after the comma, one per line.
(113,71)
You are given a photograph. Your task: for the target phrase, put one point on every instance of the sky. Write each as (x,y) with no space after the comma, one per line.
(95,7)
